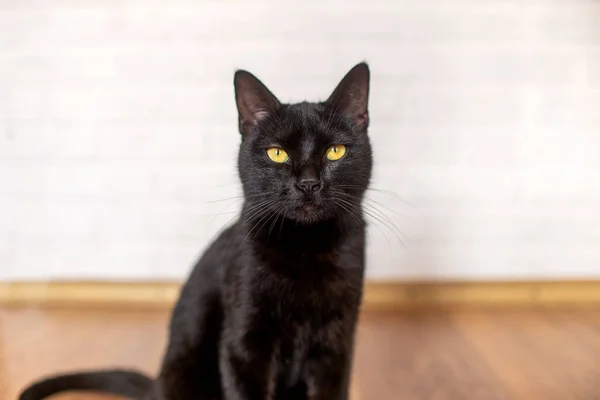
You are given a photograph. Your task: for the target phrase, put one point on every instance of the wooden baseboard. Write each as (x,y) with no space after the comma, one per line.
(378,295)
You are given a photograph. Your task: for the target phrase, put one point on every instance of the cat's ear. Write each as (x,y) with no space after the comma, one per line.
(254,101)
(351,96)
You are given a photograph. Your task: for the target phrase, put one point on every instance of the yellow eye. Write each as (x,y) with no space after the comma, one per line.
(336,152)
(277,155)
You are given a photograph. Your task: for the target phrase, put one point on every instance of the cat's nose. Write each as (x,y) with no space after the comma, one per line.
(309,185)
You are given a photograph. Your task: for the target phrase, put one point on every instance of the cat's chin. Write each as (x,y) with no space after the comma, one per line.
(310,214)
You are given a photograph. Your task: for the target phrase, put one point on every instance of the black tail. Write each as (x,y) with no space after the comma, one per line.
(125,383)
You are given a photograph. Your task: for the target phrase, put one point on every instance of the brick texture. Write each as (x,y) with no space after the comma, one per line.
(118,130)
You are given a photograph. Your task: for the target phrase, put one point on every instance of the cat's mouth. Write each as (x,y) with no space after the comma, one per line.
(309,212)
(308,207)
(310,203)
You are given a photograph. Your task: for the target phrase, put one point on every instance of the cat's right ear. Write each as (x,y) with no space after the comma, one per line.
(254,101)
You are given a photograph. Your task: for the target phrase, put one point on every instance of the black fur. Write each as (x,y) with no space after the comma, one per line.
(270,309)
(120,382)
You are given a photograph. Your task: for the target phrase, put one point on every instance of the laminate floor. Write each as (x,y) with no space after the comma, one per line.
(466,355)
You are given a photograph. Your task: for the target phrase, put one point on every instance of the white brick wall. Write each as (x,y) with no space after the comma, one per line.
(118,129)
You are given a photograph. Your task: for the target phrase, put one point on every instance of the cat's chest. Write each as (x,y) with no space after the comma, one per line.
(297,264)
(305,293)
(305,279)
(308,298)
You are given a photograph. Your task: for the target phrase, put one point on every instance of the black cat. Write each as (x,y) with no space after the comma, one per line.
(270,309)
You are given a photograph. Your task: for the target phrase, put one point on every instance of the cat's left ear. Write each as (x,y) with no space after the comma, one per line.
(351,96)
(254,101)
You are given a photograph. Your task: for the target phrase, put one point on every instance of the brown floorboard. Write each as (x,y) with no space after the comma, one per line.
(433,355)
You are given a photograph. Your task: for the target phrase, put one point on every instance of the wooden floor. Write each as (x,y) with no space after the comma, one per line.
(478,355)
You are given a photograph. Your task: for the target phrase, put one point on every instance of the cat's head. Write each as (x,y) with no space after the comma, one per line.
(307,162)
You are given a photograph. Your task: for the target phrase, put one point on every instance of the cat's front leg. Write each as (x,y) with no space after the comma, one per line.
(246,368)
(328,376)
